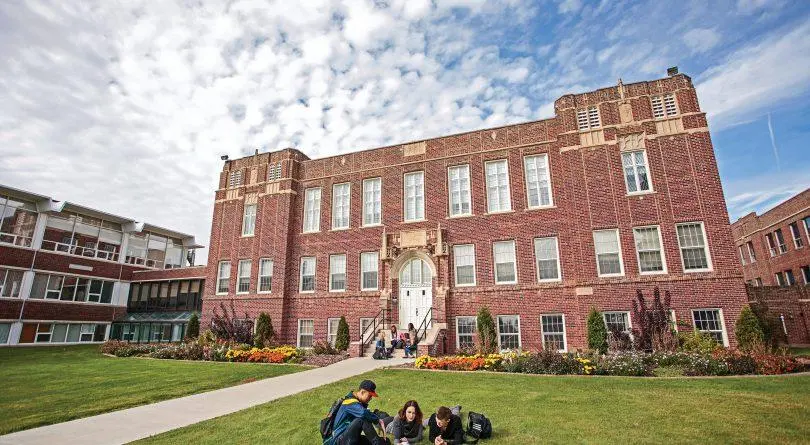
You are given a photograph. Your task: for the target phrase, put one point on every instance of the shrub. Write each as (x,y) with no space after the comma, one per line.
(226,326)
(342,341)
(283,354)
(624,364)
(748,330)
(487,337)
(264,331)
(705,365)
(110,346)
(771,325)
(737,362)
(323,347)
(193,328)
(619,341)
(698,342)
(551,362)
(653,330)
(597,332)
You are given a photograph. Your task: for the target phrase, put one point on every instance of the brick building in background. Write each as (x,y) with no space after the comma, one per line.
(539,221)
(66,270)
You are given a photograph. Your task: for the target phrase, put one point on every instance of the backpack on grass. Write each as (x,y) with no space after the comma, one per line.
(478,427)
(328,422)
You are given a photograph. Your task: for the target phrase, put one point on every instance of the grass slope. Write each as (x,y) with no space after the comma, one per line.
(54,384)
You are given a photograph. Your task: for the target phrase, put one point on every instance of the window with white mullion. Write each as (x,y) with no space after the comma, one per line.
(636,171)
(332,330)
(307,274)
(649,253)
(617,321)
(751,254)
(306,333)
(464,261)
(337,273)
(694,251)
(265,275)
(341,202)
(414,196)
(458,179)
(538,183)
(790,280)
(547,255)
(372,201)
(369,264)
(505,264)
(806,274)
(742,254)
(710,321)
(553,331)
(243,277)
(797,236)
(780,279)
(466,328)
(771,244)
(249,220)
(499,198)
(608,253)
(509,332)
(224,277)
(780,241)
(312,210)
(10,283)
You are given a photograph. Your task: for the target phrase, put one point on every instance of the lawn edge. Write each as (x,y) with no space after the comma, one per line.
(804,373)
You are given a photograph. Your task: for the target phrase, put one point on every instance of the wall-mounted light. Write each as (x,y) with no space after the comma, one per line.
(224,157)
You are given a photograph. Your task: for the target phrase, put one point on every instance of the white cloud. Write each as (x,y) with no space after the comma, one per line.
(700,40)
(569,6)
(760,193)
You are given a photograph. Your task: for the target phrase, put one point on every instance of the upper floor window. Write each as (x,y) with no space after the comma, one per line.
(797,235)
(265,275)
(337,273)
(10,282)
(588,118)
(538,182)
(780,241)
(664,106)
(274,171)
(369,265)
(547,255)
(71,288)
(17,221)
(307,274)
(649,251)
(742,255)
(505,265)
(458,178)
(341,201)
(694,251)
(249,220)
(608,253)
(224,277)
(464,261)
(751,252)
(414,196)
(372,201)
(807,227)
(636,174)
(771,243)
(312,210)
(91,237)
(235,179)
(499,198)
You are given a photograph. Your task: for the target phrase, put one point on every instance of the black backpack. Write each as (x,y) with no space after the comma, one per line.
(328,422)
(379,354)
(478,426)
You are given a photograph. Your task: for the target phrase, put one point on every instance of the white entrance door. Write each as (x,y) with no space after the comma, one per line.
(415,292)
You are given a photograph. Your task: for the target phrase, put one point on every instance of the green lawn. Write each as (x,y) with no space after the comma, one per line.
(805,352)
(547,409)
(47,385)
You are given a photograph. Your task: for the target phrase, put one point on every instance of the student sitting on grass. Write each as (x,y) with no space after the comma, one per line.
(354,423)
(445,428)
(406,426)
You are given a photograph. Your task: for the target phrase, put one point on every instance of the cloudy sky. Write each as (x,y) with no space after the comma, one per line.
(127,106)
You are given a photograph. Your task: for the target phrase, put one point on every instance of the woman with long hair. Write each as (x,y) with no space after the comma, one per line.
(407,426)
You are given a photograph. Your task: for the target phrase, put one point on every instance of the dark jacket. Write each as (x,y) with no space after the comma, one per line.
(402,428)
(350,409)
(453,434)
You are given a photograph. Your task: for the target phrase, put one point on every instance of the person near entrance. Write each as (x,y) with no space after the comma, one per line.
(445,427)
(354,423)
(396,342)
(414,338)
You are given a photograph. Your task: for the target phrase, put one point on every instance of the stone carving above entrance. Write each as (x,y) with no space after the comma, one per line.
(429,240)
(625,113)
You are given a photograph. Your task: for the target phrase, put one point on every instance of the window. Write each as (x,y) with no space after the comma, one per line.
(588,118)
(635,171)
(265,275)
(742,255)
(780,279)
(664,106)
(235,179)
(44,331)
(415,196)
(694,253)
(365,322)
(337,273)
(608,253)
(807,227)
(790,280)
(505,267)
(758,281)
(243,277)
(797,236)
(312,210)
(5,329)
(465,333)
(464,262)
(369,265)
(617,321)
(17,221)
(332,330)
(771,244)
(249,220)
(538,184)
(751,252)
(308,274)
(553,331)
(547,255)
(509,331)
(458,179)
(648,250)
(806,274)
(499,198)
(70,288)
(224,277)
(710,321)
(306,332)
(274,171)
(780,240)
(341,201)
(372,201)
(10,282)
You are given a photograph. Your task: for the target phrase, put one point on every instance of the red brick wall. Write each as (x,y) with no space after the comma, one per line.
(64,311)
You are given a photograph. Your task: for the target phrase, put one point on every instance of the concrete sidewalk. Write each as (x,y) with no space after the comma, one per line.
(126,425)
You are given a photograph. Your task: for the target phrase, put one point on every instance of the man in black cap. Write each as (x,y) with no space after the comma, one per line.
(353,419)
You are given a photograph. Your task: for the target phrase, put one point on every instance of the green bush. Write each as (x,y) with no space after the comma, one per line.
(624,364)
(597,332)
(342,341)
(698,342)
(748,330)
(193,328)
(323,347)
(264,331)
(487,337)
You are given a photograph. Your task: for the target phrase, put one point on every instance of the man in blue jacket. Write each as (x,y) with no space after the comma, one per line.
(353,419)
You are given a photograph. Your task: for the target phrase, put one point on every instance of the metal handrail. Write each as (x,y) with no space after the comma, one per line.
(378,320)
(424,325)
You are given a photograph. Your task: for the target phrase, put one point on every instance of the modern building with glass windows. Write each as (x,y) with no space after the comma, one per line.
(66,272)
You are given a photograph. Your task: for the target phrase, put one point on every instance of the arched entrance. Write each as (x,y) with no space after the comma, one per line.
(415,292)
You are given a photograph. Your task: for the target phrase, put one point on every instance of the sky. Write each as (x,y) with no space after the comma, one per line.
(128,106)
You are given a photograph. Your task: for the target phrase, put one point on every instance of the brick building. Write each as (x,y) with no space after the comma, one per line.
(66,270)
(539,221)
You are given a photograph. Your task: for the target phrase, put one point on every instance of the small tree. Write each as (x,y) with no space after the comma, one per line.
(653,330)
(264,331)
(226,326)
(770,324)
(748,330)
(597,332)
(193,328)
(342,340)
(487,336)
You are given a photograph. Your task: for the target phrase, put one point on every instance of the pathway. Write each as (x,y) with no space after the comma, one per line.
(119,427)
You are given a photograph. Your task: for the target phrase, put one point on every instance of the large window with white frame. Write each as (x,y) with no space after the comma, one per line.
(67,333)
(249,220)
(87,236)
(797,235)
(337,273)
(617,321)
(243,276)
(505,263)
(538,181)
(265,275)
(509,332)
(10,283)
(694,251)
(341,203)
(751,254)
(547,257)
(458,180)
(17,221)
(552,328)
(307,274)
(636,171)
(664,106)
(780,241)
(414,191)
(71,288)
(332,330)
(710,321)
(224,277)
(806,274)
(608,253)
(306,333)
(499,198)
(465,333)
(464,264)
(312,210)
(771,243)
(588,118)
(369,270)
(649,251)
(372,201)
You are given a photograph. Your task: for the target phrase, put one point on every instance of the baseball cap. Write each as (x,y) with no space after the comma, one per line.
(369,386)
